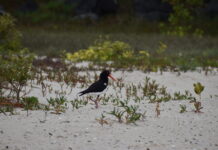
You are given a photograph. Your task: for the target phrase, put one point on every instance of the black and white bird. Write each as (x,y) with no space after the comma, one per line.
(99,86)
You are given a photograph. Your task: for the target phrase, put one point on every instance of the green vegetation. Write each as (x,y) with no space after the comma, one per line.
(15,61)
(122,55)
(182,108)
(182,18)
(104,51)
(117,113)
(30,103)
(198,88)
(76,104)
(59,104)
(10,36)
(128,113)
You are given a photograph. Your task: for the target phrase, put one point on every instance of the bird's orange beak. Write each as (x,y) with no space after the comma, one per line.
(112,77)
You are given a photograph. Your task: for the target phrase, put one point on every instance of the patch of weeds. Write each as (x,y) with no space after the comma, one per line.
(102,120)
(76,104)
(198,88)
(7,108)
(59,104)
(118,114)
(30,103)
(115,101)
(182,108)
(155,93)
(197,106)
(129,112)
(105,100)
(152,88)
(186,96)
(137,99)
(132,92)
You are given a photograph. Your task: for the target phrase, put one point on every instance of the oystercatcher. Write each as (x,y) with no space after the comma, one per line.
(99,86)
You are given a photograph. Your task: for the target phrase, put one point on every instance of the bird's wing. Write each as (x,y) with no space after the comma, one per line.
(95,87)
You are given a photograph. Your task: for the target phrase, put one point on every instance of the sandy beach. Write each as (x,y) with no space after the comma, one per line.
(79,130)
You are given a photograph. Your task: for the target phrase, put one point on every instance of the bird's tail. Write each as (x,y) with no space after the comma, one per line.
(82,93)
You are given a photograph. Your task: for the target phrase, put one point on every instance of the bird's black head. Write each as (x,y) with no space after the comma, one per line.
(105,74)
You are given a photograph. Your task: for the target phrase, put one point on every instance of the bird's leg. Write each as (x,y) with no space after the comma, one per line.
(96,102)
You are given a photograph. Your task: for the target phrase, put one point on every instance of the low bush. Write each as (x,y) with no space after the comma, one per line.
(15,61)
(30,103)
(104,51)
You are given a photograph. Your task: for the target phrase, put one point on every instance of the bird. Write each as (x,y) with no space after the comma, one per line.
(98,86)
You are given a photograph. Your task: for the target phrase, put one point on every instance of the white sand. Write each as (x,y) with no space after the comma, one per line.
(78,130)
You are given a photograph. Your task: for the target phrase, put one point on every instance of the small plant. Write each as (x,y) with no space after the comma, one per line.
(182,108)
(134,117)
(59,104)
(198,88)
(115,101)
(30,103)
(102,120)
(132,114)
(118,114)
(105,100)
(198,107)
(157,109)
(76,104)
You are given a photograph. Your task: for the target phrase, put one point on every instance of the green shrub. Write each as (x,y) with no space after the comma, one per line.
(10,36)
(198,88)
(15,61)
(15,71)
(181,20)
(103,51)
(30,103)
